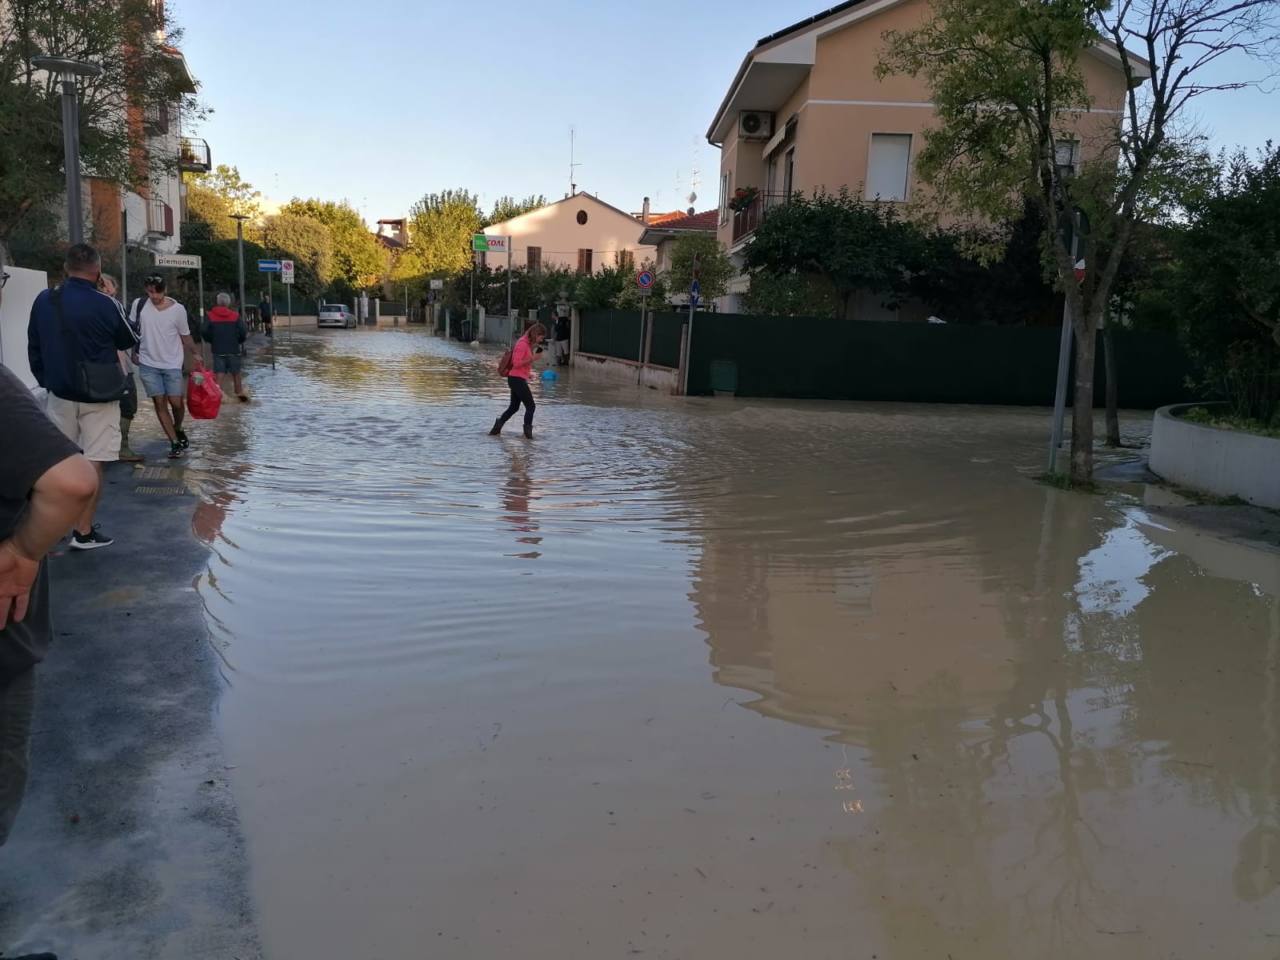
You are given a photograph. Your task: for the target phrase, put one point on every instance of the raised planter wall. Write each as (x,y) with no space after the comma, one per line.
(1226,463)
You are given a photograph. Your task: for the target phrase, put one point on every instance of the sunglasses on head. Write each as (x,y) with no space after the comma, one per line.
(155,280)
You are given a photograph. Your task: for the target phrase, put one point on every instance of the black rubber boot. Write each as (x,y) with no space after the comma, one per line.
(528,431)
(497,427)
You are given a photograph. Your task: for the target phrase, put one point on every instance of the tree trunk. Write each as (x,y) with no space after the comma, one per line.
(1082,408)
(1109,368)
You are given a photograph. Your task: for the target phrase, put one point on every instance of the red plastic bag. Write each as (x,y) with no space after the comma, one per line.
(204,396)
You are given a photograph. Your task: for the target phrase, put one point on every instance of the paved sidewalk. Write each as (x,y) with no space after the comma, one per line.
(128,844)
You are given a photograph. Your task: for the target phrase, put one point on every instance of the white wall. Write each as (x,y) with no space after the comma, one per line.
(556,230)
(15,313)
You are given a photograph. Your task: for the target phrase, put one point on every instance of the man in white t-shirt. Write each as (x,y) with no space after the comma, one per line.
(164,351)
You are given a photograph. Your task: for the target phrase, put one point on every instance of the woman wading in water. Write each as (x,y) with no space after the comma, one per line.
(518,371)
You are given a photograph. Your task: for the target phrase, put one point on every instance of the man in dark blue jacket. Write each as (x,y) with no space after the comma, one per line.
(70,325)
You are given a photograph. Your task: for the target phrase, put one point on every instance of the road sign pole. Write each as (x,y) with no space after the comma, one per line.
(200,287)
(644,312)
(288,299)
(688,351)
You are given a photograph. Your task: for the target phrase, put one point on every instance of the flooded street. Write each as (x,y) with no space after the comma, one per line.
(704,679)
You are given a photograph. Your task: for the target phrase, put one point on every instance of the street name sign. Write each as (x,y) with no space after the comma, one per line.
(268,266)
(185,261)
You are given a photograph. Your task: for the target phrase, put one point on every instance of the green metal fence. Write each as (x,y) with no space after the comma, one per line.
(933,363)
(611,333)
(664,349)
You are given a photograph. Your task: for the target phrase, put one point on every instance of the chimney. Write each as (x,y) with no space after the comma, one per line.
(644,216)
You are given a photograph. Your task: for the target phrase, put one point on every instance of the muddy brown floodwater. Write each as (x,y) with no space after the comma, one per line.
(704,679)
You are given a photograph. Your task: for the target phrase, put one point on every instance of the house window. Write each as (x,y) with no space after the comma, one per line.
(626,260)
(889,166)
(584,261)
(789,173)
(534,259)
(724,198)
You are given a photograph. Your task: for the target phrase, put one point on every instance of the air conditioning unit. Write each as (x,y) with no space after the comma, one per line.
(755,125)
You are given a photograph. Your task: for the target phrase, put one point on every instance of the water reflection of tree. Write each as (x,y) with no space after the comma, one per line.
(1130,645)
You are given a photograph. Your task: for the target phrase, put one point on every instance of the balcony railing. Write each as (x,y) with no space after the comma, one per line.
(159,218)
(194,155)
(155,119)
(749,218)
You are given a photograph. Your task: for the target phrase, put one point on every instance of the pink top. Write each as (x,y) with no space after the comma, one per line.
(522,360)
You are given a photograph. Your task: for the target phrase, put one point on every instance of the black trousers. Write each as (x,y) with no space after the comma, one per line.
(520,394)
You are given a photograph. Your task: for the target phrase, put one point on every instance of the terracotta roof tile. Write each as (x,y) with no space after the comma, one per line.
(706,220)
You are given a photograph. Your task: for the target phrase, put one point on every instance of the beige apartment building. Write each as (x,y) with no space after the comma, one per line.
(807,113)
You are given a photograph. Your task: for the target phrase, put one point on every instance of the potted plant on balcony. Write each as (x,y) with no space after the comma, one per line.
(742,198)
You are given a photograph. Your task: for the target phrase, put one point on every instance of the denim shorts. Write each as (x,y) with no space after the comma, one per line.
(161,383)
(226,363)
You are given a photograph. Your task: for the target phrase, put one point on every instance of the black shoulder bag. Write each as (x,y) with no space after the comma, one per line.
(94,382)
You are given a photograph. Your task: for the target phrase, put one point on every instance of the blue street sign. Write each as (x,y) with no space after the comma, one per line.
(693,299)
(695,289)
(268,266)
(645,280)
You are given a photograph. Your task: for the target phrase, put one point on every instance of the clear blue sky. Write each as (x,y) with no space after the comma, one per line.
(381,101)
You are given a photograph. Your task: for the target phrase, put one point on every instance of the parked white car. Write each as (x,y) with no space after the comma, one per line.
(336,315)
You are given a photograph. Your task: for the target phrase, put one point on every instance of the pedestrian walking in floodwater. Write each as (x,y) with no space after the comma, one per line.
(225,331)
(163,354)
(518,369)
(562,334)
(267,312)
(72,340)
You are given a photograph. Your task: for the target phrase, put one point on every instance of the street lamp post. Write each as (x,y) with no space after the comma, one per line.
(66,71)
(240,218)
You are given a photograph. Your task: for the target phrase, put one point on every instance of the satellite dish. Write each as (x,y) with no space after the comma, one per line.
(693,197)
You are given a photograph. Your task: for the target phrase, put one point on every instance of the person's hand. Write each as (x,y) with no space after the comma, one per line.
(17,576)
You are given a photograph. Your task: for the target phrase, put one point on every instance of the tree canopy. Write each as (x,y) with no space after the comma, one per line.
(441,226)
(508,208)
(118,35)
(1013,110)
(308,243)
(358,259)
(1228,285)
(715,268)
(850,243)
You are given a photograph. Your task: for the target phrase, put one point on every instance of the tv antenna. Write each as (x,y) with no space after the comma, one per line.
(573,165)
